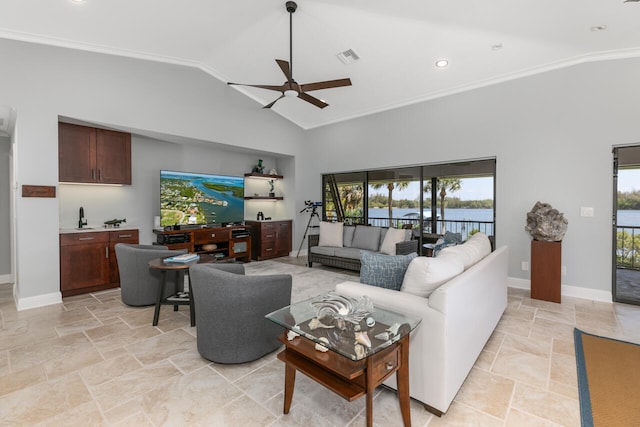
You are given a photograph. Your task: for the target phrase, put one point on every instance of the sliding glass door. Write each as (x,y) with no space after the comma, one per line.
(626,225)
(431,200)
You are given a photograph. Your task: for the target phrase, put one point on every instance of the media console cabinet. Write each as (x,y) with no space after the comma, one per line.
(219,243)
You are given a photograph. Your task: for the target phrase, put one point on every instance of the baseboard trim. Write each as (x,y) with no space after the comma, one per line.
(566,290)
(5,278)
(38,301)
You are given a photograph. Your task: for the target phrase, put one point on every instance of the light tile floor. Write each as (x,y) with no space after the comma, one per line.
(93,361)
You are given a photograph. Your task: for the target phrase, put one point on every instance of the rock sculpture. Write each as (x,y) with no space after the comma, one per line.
(546,223)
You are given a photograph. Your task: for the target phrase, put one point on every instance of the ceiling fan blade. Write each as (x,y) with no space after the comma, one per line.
(312,100)
(269,87)
(286,70)
(325,85)
(271,103)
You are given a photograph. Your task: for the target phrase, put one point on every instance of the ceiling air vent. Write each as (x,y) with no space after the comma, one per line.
(348,56)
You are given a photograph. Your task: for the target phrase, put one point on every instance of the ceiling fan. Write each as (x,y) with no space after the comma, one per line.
(291,88)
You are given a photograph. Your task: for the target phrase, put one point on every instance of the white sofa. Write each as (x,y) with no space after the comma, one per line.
(457,320)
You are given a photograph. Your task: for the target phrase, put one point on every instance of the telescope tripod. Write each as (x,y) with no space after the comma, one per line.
(314,213)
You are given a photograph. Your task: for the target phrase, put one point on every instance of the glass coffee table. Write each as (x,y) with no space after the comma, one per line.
(347,345)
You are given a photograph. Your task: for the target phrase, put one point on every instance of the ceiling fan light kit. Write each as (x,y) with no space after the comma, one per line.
(290,88)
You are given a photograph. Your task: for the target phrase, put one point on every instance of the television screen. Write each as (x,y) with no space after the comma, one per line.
(198,199)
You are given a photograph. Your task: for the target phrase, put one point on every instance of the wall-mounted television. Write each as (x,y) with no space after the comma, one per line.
(188,198)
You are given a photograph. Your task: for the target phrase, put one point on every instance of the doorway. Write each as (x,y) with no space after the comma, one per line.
(626,225)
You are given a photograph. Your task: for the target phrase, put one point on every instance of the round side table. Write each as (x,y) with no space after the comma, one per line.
(164,267)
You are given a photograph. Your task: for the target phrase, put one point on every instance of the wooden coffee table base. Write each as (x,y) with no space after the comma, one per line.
(347,378)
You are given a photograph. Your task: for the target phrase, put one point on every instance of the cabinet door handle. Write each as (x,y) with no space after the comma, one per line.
(213,234)
(93,173)
(269,235)
(99,175)
(106,251)
(122,236)
(389,366)
(86,238)
(269,249)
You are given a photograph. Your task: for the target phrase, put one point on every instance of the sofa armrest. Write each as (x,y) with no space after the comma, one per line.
(313,240)
(407,247)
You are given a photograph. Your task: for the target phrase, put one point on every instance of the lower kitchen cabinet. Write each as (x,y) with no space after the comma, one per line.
(88,260)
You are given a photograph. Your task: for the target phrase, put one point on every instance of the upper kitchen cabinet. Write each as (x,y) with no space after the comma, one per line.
(95,156)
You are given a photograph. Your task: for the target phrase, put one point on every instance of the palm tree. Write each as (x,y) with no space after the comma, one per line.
(443,185)
(400,185)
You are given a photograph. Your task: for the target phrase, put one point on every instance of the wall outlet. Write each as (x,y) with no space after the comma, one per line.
(586,211)
(524,265)
(564,270)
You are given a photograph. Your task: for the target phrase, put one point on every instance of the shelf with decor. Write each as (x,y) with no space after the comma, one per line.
(262,176)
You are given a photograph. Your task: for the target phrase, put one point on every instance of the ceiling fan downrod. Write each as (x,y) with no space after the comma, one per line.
(291,8)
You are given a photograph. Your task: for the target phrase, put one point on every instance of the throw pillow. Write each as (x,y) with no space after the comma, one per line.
(393,236)
(472,251)
(448,239)
(330,234)
(425,274)
(366,237)
(385,271)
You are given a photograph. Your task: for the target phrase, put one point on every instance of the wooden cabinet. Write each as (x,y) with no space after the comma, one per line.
(121,236)
(88,260)
(271,239)
(96,156)
(215,243)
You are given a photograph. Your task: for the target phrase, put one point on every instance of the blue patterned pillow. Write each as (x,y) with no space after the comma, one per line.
(385,271)
(449,239)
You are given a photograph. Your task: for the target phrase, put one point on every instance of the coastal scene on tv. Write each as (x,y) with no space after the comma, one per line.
(198,199)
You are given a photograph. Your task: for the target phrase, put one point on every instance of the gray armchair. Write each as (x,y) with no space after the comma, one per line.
(230,309)
(139,285)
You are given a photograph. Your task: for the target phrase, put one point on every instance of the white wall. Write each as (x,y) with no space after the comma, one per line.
(552,136)
(42,83)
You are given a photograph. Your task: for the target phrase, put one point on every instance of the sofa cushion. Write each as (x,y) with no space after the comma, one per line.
(426,274)
(347,235)
(331,234)
(324,250)
(366,237)
(351,253)
(470,252)
(386,271)
(391,237)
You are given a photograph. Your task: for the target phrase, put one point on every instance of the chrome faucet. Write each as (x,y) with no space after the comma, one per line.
(82,221)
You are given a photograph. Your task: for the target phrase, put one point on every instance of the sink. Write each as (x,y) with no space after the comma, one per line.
(87,228)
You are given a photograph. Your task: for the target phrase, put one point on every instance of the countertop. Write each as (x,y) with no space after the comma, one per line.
(95,229)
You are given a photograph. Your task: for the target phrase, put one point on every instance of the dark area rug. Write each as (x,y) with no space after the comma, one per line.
(608,380)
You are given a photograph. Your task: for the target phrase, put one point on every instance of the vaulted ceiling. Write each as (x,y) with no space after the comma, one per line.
(398,42)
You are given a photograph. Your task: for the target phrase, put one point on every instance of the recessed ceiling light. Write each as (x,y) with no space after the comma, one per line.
(78,1)
(441,63)
(598,28)
(496,46)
